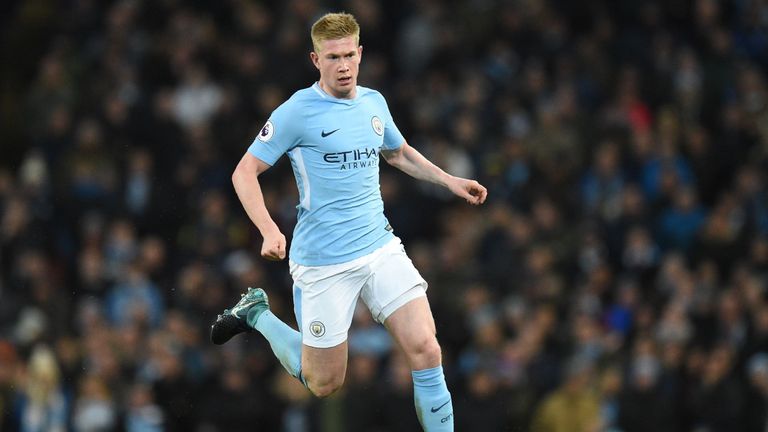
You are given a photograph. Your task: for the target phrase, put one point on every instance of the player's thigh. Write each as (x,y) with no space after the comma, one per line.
(413,329)
(324,366)
(412,323)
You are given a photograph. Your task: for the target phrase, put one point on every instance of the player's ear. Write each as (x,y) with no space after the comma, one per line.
(360,51)
(315,59)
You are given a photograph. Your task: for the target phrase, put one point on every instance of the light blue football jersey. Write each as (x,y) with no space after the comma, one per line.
(333,145)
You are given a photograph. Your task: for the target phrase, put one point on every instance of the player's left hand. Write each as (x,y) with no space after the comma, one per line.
(472,191)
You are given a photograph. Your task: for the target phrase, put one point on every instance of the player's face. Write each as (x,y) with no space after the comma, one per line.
(338,61)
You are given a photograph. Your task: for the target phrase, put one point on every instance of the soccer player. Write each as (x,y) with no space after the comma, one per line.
(343,247)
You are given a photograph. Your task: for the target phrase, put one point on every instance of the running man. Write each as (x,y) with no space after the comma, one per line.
(343,247)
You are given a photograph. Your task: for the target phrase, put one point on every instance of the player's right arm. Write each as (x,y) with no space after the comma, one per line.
(246,181)
(280,133)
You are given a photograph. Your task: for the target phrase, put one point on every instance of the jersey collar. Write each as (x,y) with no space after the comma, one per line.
(316,87)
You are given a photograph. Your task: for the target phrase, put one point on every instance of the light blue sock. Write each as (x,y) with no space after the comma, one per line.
(433,401)
(284,341)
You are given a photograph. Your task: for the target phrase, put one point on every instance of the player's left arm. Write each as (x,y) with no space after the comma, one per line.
(410,161)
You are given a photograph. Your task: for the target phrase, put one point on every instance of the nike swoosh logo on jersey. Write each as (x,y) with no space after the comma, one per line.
(434,410)
(323,134)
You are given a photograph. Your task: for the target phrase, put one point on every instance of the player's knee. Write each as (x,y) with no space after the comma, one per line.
(325,387)
(425,353)
(431,351)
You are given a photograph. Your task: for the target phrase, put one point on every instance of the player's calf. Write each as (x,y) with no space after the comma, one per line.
(252,313)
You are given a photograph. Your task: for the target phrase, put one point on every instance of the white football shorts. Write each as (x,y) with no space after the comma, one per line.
(324,297)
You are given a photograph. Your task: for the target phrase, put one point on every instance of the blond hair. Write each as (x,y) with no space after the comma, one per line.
(334,26)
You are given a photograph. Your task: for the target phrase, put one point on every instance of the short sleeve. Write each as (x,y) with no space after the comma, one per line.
(278,135)
(393,139)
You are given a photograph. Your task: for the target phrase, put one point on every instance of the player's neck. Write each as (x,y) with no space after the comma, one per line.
(348,96)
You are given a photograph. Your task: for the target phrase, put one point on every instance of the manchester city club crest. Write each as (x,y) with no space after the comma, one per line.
(317,328)
(378,126)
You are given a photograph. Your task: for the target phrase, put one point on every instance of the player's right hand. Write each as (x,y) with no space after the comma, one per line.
(472,191)
(273,247)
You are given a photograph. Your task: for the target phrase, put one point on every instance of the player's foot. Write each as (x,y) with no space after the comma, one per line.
(235,321)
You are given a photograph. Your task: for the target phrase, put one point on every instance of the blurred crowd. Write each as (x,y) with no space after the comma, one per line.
(614,281)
